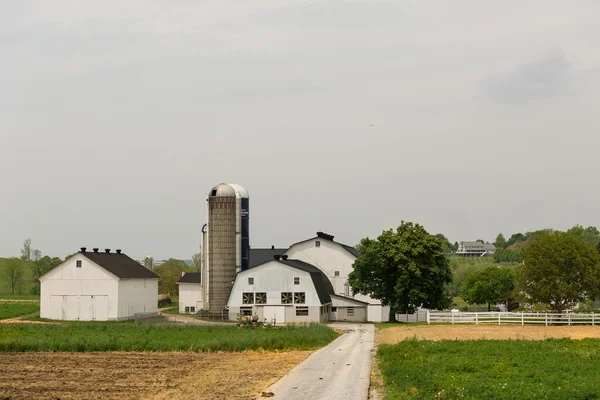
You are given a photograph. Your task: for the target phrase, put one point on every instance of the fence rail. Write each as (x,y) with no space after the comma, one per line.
(512,318)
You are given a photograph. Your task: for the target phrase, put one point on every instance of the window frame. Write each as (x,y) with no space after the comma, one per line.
(336,273)
(247,297)
(291,297)
(263,295)
(317,243)
(299,297)
(251,280)
(246,311)
(296,280)
(302,310)
(78,264)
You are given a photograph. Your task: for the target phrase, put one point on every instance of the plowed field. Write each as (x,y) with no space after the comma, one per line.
(489,332)
(121,376)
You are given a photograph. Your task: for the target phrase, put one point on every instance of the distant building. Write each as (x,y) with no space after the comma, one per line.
(190,293)
(475,249)
(149,262)
(98,286)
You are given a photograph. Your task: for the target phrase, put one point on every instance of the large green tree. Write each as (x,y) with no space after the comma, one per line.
(559,270)
(405,269)
(169,273)
(500,242)
(489,285)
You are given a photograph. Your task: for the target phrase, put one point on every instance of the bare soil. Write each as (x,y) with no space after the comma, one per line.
(157,376)
(489,332)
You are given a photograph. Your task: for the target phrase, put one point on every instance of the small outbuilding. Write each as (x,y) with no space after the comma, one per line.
(98,286)
(190,293)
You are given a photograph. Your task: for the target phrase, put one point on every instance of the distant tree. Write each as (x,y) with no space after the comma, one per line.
(506,255)
(196,261)
(480,241)
(560,270)
(169,273)
(446,245)
(516,238)
(36,255)
(405,269)
(455,246)
(40,267)
(598,247)
(27,250)
(13,273)
(590,234)
(489,285)
(500,242)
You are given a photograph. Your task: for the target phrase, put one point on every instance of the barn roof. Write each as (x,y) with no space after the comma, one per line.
(120,265)
(320,280)
(260,256)
(329,238)
(190,277)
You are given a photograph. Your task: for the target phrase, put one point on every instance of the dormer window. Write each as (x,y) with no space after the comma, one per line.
(317,243)
(296,280)
(250,281)
(78,264)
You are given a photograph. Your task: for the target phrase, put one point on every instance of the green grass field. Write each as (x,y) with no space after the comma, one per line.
(129,336)
(11,310)
(482,369)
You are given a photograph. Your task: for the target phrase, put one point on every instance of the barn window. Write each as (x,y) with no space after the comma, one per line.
(250,281)
(317,243)
(301,311)
(336,273)
(246,311)
(261,298)
(350,311)
(78,263)
(287,298)
(192,309)
(296,280)
(247,298)
(299,298)
(333,309)
(187,309)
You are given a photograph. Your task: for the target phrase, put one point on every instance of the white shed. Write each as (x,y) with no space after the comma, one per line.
(98,286)
(282,291)
(190,293)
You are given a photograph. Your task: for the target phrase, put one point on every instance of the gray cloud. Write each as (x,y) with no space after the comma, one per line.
(548,77)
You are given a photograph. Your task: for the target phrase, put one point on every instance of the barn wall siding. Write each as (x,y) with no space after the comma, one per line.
(137,296)
(190,295)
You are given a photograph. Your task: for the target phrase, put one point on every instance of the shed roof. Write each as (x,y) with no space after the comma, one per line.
(190,277)
(120,265)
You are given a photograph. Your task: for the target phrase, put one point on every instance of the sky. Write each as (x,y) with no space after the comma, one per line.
(468,117)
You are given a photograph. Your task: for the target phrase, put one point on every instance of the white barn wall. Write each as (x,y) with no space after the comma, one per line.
(190,295)
(67,279)
(137,296)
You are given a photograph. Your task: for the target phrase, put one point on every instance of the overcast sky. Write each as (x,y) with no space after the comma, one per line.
(468,117)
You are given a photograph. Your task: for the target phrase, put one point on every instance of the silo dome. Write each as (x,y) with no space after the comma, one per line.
(239,190)
(222,190)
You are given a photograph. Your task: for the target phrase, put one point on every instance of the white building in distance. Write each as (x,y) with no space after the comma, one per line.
(98,286)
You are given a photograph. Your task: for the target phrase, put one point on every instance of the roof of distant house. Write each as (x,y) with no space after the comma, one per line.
(119,264)
(190,277)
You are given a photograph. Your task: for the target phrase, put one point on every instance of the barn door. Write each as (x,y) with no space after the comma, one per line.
(101,308)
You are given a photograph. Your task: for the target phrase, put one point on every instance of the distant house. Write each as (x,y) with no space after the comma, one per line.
(475,249)
(190,293)
(98,286)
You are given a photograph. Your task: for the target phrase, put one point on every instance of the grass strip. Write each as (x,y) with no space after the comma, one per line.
(12,310)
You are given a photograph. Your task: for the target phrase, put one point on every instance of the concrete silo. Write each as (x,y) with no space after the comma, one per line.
(226,242)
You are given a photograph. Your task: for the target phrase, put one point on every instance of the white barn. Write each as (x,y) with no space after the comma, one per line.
(190,293)
(336,260)
(281,291)
(98,286)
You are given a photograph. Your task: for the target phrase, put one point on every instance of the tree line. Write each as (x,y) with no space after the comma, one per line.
(408,268)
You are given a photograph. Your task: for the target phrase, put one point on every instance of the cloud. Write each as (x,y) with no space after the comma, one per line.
(546,78)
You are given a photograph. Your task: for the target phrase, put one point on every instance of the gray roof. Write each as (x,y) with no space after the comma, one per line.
(320,280)
(120,265)
(190,277)
(260,256)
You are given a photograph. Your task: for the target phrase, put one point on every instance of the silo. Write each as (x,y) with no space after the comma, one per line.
(227,242)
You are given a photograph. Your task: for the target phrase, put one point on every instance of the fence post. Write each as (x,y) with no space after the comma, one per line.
(546,319)
(476,322)
(522,318)
(452,318)
(428,318)
(592,319)
(498,318)
(569,314)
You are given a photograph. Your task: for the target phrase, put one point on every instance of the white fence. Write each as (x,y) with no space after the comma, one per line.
(512,318)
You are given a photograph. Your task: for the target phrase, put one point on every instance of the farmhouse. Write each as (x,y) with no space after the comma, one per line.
(475,249)
(190,293)
(98,286)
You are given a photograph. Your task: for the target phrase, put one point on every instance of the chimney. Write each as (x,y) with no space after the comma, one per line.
(284,257)
(277,257)
(95,249)
(107,250)
(83,249)
(272,247)
(182,273)
(118,251)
